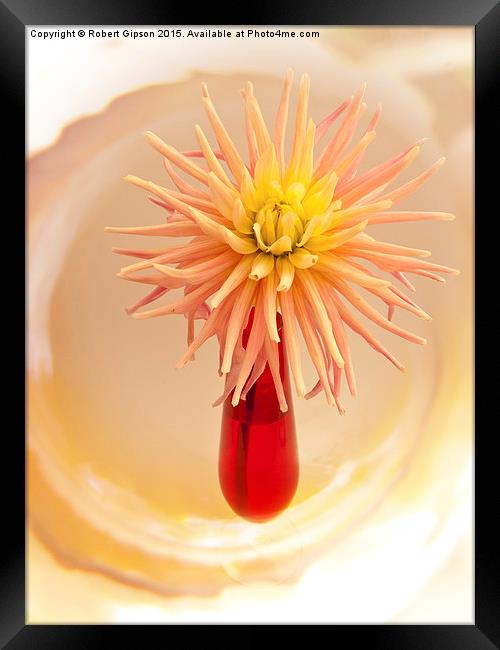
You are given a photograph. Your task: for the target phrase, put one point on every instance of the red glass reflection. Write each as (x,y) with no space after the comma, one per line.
(258,460)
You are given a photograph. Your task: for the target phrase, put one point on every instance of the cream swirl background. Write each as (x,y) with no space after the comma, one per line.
(126,520)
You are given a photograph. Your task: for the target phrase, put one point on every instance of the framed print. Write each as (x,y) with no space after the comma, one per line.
(250,305)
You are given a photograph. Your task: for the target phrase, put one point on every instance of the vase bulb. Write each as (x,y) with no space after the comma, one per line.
(258,459)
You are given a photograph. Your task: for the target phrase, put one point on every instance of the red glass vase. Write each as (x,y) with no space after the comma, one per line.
(258,459)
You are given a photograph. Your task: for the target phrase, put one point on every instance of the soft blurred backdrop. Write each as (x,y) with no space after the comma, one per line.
(126,520)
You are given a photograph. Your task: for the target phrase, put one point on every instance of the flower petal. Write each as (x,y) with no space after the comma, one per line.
(233,280)
(235,323)
(271,348)
(301,258)
(269,306)
(258,123)
(291,341)
(241,220)
(209,155)
(183,162)
(282,118)
(286,273)
(323,324)
(222,196)
(214,322)
(266,170)
(281,245)
(233,158)
(312,342)
(262,266)
(254,345)
(335,267)
(321,243)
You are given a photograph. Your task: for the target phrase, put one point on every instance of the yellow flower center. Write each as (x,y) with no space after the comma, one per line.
(278,219)
(281,210)
(285,216)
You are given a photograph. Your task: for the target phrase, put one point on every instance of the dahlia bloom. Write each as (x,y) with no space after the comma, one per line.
(281,233)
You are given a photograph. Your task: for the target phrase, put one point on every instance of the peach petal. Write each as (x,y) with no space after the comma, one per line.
(291,341)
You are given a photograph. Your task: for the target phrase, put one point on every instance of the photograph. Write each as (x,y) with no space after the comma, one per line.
(250,324)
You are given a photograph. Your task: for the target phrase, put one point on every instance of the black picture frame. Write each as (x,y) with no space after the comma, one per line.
(484,15)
